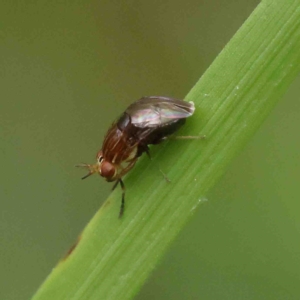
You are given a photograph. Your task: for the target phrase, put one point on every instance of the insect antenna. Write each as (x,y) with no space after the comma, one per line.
(87,166)
(87,175)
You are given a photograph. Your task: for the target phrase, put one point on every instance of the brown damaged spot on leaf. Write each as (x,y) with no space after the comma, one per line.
(71,249)
(106,203)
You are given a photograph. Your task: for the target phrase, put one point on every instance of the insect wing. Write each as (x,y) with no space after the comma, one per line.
(157,111)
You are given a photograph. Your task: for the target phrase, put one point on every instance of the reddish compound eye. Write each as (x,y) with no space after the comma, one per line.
(107,170)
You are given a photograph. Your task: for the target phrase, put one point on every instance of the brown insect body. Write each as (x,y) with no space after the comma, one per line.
(147,121)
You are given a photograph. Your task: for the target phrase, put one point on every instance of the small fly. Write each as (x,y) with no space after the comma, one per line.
(149,120)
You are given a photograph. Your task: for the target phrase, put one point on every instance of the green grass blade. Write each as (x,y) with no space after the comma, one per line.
(114,257)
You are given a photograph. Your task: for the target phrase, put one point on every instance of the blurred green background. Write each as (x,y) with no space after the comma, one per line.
(68,69)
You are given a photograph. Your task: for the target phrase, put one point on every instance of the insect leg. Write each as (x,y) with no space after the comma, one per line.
(187,137)
(148,153)
(115,185)
(160,170)
(123,198)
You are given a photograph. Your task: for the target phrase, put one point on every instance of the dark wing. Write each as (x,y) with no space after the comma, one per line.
(157,111)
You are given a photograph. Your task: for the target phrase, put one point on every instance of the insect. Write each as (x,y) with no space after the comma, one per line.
(149,120)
